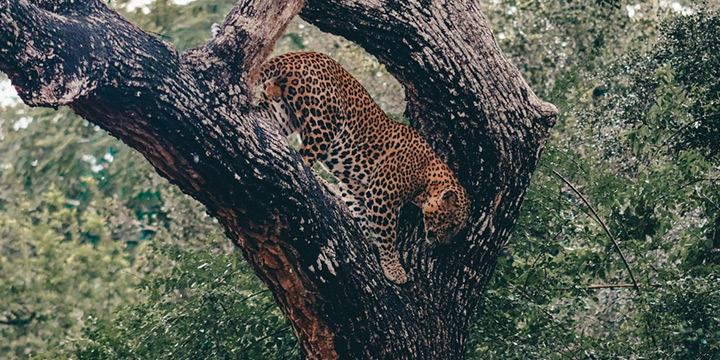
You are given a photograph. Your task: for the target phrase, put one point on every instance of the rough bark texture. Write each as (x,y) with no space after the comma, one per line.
(191,116)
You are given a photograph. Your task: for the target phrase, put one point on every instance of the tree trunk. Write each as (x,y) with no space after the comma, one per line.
(191,116)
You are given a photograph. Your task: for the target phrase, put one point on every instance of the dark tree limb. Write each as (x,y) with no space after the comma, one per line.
(192,117)
(16,317)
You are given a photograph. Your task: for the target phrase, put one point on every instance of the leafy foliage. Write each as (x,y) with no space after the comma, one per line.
(208,305)
(55,269)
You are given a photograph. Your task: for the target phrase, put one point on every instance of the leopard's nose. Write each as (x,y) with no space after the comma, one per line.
(445,240)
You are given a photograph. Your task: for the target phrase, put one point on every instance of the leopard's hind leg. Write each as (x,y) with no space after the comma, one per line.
(352,184)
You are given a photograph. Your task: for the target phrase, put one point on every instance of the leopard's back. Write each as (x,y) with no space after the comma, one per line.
(334,114)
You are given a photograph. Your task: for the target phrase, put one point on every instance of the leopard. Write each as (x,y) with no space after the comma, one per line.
(380,164)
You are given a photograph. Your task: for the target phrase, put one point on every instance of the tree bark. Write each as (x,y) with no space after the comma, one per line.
(191,116)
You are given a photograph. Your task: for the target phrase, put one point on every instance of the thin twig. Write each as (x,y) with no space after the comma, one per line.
(602,223)
(532,268)
(230,319)
(259,340)
(608,286)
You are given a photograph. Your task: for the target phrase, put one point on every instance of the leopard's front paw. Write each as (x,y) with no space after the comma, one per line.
(399,276)
(394,272)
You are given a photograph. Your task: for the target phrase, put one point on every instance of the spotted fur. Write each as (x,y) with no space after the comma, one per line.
(381,164)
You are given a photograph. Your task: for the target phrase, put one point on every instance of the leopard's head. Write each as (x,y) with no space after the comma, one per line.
(445,213)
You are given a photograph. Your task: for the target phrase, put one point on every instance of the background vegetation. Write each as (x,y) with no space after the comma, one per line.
(101,259)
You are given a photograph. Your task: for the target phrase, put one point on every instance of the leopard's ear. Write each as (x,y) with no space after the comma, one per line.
(450,199)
